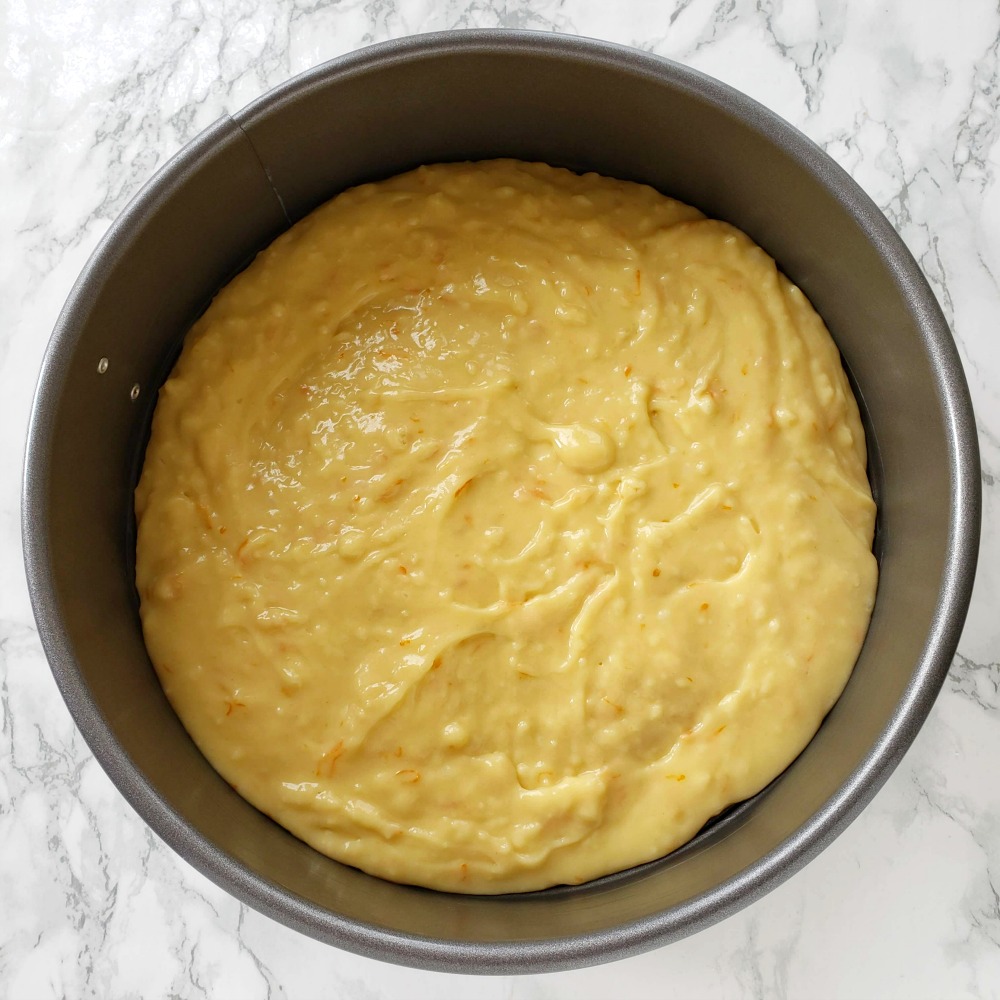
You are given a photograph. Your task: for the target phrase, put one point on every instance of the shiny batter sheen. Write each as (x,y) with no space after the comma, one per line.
(500,526)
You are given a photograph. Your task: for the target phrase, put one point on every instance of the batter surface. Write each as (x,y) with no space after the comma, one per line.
(500,526)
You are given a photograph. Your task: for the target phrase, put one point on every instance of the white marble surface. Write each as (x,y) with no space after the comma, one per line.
(94,95)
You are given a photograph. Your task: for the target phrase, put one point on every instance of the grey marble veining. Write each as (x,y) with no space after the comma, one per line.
(94,96)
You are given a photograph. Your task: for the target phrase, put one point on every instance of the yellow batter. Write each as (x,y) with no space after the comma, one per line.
(500,526)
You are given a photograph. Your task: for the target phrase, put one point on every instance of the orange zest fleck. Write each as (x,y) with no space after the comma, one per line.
(206,516)
(392,491)
(328,762)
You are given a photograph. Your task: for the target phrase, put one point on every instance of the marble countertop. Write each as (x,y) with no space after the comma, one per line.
(95,95)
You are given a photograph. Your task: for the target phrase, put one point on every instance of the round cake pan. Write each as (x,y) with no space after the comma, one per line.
(476,95)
